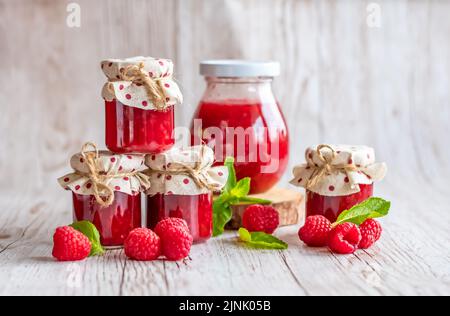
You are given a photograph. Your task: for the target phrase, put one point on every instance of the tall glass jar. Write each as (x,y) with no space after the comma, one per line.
(239,116)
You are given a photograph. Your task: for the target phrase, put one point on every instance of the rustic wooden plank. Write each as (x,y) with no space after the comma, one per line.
(405,261)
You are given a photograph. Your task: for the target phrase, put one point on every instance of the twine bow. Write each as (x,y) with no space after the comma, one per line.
(196,173)
(327,167)
(137,75)
(103,194)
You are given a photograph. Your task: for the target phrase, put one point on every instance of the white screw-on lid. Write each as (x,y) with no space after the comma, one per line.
(239,68)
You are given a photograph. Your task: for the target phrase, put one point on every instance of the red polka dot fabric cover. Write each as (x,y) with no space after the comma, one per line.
(340,182)
(126,168)
(134,95)
(165,183)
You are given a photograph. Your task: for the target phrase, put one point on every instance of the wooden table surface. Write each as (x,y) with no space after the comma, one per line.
(343,81)
(412,257)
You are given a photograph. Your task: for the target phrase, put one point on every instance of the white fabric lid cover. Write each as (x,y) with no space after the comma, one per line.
(230,68)
(127,167)
(165,180)
(351,166)
(135,95)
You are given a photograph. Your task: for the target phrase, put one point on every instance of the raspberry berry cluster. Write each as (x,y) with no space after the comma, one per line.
(343,238)
(171,239)
(354,229)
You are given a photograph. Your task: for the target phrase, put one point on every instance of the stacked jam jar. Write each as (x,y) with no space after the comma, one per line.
(238,116)
(183,182)
(140,99)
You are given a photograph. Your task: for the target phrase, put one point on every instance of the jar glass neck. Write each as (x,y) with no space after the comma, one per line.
(239,80)
(256,89)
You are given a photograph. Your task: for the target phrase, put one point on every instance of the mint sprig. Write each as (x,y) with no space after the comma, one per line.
(371,208)
(234,193)
(90,231)
(261,240)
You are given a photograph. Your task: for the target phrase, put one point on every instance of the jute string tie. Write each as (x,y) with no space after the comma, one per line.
(103,194)
(137,75)
(196,173)
(327,167)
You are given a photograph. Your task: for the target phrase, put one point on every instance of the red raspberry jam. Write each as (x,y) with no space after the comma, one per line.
(332,206)
(113,222)
(130,129)
(196,210)
(266,142)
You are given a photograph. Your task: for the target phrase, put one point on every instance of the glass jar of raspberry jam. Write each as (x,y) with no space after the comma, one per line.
(182,186)
(337,177)
(240,117)
(196,210)
(332,206)
(130,129)
(140,98)
(114,222)
(106,190)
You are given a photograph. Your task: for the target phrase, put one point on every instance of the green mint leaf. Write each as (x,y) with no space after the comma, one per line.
(90,231)
(232,181)
(234,193)
(250,201)
(261,240)
(242,188)
(222,214)
(372,208)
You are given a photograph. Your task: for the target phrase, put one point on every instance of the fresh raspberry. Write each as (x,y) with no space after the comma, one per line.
(259,218)
(176,242)
(344,239)
(142,244)
(70,245)
(162,226)
(371,232)
(176,239)
(315,231)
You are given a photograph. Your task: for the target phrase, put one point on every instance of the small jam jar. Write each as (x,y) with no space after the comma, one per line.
(140,98)
(106,190)
(239,116)
(182,186)
(337,177)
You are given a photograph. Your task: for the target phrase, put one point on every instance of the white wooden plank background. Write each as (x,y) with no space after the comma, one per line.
(342,82)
